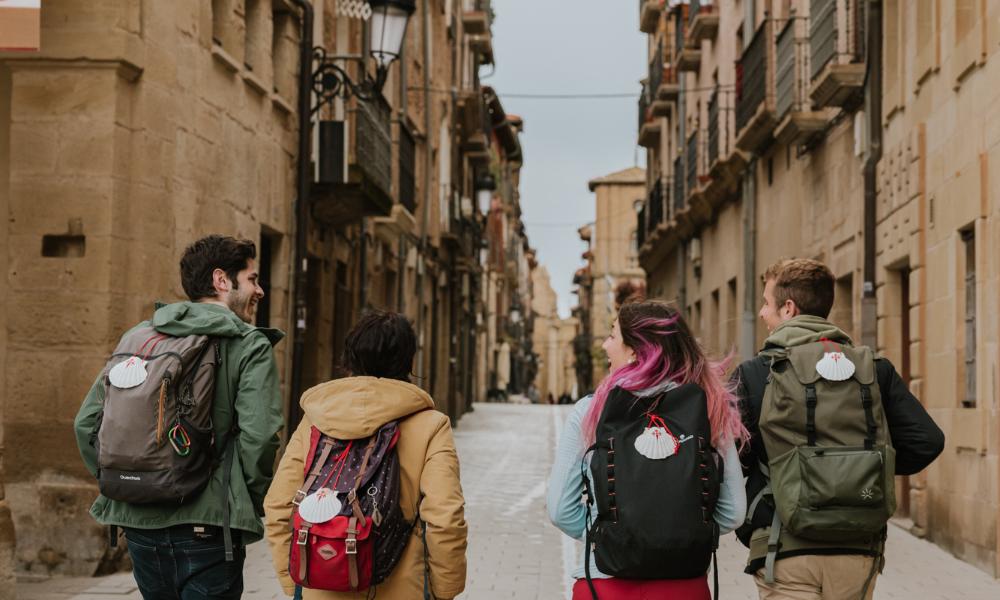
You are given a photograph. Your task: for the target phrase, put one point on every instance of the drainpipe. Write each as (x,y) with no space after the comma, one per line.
(748,334)
(681,147)
(425,35)
(873,102)
(302,187)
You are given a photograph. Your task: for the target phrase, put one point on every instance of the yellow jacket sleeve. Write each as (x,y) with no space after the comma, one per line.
(442,509)
(278,503)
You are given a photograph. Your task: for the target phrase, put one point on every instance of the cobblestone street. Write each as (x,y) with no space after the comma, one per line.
(514,553)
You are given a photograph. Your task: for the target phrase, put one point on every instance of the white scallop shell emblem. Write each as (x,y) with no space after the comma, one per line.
(129,373)
(656,443)
(835,366)
(320,506)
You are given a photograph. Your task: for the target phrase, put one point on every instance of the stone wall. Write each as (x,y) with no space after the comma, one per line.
(131,134)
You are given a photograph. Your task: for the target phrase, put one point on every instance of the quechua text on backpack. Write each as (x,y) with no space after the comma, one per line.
(348,531)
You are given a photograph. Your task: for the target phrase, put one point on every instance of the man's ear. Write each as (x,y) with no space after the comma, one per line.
(792,308)
(220,281)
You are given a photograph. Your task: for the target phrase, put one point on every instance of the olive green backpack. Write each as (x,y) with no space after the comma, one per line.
(831,462)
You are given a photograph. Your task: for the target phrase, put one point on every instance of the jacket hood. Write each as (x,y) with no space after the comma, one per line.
(805,329)
(355,407)
(200,318)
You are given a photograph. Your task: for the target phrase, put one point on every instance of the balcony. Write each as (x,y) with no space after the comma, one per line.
(797,122)
(660,236)
(471,121)
(401,221)
(663,83)
(477,20)
(838,70)
(482,44)
(680,202)
(359,186)
(649,125)
(755,118)
(649,15)
(703,24)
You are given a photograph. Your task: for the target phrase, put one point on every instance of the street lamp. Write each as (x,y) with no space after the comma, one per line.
(485,186)
(386,32)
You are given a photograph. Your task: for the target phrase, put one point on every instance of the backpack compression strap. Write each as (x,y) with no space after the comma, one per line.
(589,493)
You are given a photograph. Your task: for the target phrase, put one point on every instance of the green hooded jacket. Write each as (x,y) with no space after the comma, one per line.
(246,379)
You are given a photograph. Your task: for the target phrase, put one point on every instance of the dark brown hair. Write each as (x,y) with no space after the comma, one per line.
(806,282)
(213,252)
(381,344)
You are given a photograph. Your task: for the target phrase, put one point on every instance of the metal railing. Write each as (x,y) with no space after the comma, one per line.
(643,106)
(692,161)
(679,200)
(656,70)
(655,204)
(792,70)
(373,142)
(713,128)
(822,34)
(751,76)
(680,28)
(407,169)
(698,6)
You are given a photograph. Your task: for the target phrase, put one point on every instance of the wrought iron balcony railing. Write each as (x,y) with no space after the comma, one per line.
(691,161)
(751,76)
(713,128)
(680,201)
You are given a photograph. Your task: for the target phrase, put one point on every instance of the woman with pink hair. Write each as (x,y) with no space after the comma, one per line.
(656,366)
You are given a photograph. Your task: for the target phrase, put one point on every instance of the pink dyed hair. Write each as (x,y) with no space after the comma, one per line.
(665,350)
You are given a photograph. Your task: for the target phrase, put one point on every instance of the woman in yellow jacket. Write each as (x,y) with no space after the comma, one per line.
(379,355)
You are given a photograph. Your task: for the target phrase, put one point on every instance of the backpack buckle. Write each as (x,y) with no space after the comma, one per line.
(351,546)
(303,537)
(299,497)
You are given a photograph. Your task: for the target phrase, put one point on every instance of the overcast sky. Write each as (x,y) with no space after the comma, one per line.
(561,47)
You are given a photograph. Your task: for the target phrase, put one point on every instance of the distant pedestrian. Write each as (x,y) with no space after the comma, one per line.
(655,448)
(181,429)
(367,494)
(831,425)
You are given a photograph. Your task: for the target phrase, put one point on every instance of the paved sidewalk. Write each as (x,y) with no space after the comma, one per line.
(514,553)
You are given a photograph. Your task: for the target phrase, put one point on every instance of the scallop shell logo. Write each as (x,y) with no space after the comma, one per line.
(835,366)
(320,506)
(656,443)
(129,373)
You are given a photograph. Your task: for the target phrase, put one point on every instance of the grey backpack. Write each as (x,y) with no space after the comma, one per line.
(155,441)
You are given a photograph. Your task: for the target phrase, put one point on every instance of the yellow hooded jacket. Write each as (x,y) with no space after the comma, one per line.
(354,408)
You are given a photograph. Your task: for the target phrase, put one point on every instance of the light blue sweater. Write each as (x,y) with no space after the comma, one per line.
(568,512)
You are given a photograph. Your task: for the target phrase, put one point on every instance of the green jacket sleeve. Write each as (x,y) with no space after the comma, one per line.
(85,424)
(259,416)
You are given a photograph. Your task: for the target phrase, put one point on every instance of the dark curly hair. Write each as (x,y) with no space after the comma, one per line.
(206,255)
(381,344)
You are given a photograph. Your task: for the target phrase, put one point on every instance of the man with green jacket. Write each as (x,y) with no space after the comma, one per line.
(179,550)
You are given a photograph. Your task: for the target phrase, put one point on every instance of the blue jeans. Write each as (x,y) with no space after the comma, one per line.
(178,563)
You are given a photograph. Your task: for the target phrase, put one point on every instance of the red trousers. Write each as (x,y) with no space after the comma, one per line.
(640,589)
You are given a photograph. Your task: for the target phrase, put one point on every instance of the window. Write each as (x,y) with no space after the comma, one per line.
(265,258)
(732,312)
(255,50)
(284,51)
(969,245)
(965,17)
(715,330)
(842,314)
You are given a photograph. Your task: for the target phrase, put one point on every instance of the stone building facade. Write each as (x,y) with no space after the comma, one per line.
(765,141)
(614,252)
(552,341)
(142,125)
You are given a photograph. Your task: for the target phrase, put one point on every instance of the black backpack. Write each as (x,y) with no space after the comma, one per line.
(655,515)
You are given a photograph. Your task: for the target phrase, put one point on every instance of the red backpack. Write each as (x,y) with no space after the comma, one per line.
(348,531)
